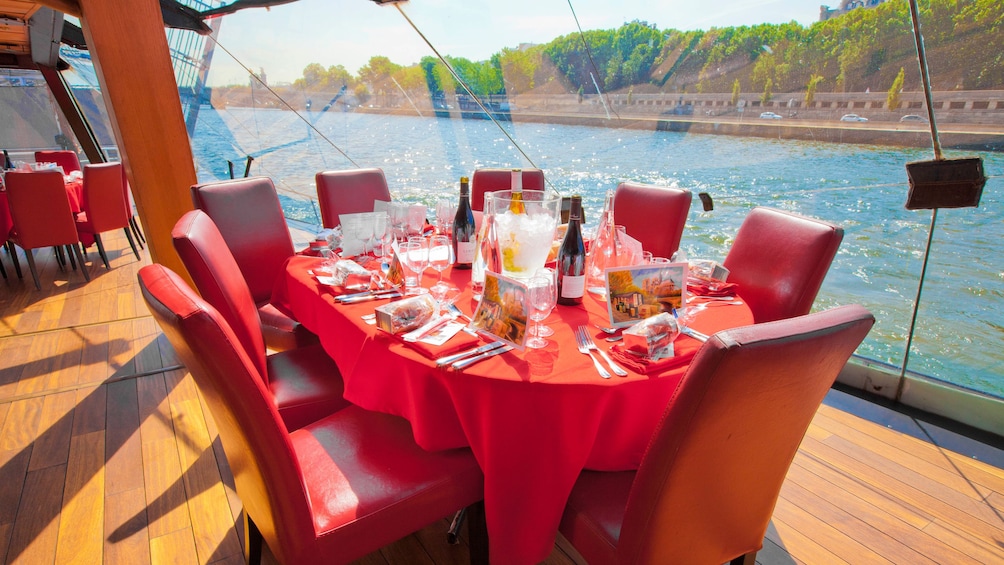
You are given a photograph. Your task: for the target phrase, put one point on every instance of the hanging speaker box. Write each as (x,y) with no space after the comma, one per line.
(946,183)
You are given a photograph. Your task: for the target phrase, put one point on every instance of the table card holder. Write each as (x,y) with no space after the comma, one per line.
(504,310)
(641,291)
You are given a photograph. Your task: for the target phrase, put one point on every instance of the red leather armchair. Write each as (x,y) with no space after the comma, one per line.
(708,483)
(330,492)
(350,191)
(105,206)
(42,217)
(779,261)
(654,215)
(248,214)
(304,382)
(490,180)
(66,159)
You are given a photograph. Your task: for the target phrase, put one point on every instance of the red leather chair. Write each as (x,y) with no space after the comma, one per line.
(248,214)
(330,492)
(304,382)
(104,206)
(490,180)
(66,159)
(350,191)
(42,217)
(708,483)
(654,215)
(779,261)
(133,224)
(6,225)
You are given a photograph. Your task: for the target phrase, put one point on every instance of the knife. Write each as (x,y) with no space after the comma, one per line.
(428,328)
(477,350)
(468,362)
(343,297)
(693,333)
(368,297)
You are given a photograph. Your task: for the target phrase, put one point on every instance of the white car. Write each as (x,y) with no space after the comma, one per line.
(769,116)
(852,118)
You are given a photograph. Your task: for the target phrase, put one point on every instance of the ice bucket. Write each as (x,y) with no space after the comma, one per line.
(524,238)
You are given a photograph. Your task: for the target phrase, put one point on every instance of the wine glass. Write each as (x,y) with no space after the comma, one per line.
(542,330)
(381,234)
(446,210)
(542,295)
(414,255)
(439,255)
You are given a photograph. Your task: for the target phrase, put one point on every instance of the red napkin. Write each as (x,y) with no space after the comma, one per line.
(456,344)
(685,348)
(711,288)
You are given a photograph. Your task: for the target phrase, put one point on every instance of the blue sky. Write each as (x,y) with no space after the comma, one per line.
(286,38)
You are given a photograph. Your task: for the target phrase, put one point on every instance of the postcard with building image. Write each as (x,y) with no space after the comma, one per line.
(504,310)
(641,291)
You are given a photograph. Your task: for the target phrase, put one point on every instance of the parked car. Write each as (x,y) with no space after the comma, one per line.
(770,116)
(913,118)
(852,118)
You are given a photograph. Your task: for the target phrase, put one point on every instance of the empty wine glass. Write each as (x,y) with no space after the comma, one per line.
(439,255)
(542,295)
(446,210)
(381,235)
(542,330)
(414,255)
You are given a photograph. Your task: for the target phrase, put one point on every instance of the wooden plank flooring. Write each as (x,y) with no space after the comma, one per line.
(108,455)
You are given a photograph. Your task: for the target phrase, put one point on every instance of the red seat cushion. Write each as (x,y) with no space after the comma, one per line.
(306,385)
(282,332)
(595,512)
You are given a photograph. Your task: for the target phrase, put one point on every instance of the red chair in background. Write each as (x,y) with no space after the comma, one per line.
(104,206)
(654,215)
(330,492)
(6,225)
(779,261)
(66,159)
(490,180)
(304,382)
(133,224)
(42,217)
(248,215)
(350,191)
(708,483)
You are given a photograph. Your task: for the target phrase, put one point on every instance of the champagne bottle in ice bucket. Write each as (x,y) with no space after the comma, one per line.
(516,205)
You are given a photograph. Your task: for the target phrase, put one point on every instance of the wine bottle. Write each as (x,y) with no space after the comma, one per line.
(485,254)
(572,258)
(7,164)
(464,232)
(516,205)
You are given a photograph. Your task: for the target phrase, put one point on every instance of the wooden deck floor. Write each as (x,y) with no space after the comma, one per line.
(108,454)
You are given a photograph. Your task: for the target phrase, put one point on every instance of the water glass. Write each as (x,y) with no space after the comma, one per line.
(543,295)
(414,256)
(439,254)
(446,211)
(415,220)
(542,330)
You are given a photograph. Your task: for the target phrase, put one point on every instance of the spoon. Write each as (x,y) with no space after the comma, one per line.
(610,331)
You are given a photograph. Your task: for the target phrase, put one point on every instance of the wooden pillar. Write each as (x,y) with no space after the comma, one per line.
(128,46)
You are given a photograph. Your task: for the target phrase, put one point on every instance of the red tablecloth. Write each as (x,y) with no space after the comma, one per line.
(534,419)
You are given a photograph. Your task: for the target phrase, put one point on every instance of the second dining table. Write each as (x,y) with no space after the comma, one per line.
(534,419)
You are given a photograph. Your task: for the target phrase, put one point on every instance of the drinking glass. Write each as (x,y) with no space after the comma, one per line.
(446,211)
(543,296)
(398,214)
(415,220)
(414,255)
(381,234)
(542,330)
(439,254)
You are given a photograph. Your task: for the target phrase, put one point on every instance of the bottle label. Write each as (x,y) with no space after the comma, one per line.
(573,287)
(465,251)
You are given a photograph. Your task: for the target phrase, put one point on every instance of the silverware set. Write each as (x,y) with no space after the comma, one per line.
(367,296)
(471,356)
(587,347)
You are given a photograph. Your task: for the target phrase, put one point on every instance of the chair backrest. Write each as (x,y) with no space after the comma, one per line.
(350,191)
(490,180)
(266,472)
(66,159)
(104,197)
(218,279)
(779,261)
(40,209)
(654,215)
(248,214)
(708,483)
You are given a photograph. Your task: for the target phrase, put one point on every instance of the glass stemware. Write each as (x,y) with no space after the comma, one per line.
(541,330)
(381,235)
(446,210)
(414,255)
(542,295)
(440,257)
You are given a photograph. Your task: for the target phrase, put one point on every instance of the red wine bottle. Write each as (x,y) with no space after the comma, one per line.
(465,236)
(572,258)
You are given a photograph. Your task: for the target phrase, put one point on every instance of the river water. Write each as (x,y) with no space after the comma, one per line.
(960,331)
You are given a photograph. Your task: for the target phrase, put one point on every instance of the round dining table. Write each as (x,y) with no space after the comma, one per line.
(534,419)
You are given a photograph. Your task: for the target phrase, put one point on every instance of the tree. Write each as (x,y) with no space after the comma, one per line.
(892,99)
(767,91)
(810,89)
(736,92)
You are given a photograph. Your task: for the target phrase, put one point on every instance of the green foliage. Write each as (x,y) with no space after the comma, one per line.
(736,92)
(892,99)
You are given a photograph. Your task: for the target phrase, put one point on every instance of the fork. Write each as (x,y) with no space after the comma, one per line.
(585,349)
(591,345)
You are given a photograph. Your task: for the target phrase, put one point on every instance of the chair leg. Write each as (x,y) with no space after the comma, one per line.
(135,228)
(252,541)
(60,259)
(29,254)
(101,250)
(453,533)
(3,270)
(132,243)
(13,256)
(477,533)
(69,253)
(748,559)
(80,259)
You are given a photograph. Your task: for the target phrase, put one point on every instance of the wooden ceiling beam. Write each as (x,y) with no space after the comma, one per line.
(69,7)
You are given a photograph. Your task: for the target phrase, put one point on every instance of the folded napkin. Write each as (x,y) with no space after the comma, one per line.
(711,288)
(457,343)
(685,348)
